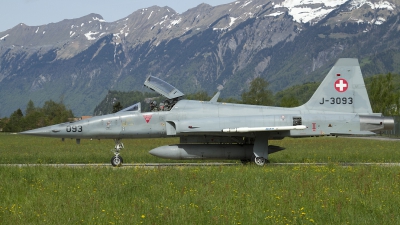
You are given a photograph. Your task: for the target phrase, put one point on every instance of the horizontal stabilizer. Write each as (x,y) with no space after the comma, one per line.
(260,129)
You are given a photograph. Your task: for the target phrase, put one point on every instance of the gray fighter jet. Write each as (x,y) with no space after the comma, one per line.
(214,130)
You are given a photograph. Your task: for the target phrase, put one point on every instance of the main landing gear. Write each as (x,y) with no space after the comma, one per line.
(260,161)
(260,149)
(116,160)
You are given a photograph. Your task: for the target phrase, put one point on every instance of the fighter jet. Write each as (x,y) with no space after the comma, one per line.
(214,130)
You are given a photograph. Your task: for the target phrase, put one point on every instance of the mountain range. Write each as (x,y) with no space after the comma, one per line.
(286,42)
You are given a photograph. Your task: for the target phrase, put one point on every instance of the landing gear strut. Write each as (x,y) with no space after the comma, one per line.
(116,160)
(260,149)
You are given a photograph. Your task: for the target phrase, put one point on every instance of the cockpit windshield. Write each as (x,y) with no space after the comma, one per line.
(133,108)
(162,87)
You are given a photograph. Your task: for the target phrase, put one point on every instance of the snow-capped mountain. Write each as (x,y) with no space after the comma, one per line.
(285,41)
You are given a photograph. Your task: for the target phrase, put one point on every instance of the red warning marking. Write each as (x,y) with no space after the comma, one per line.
(341,85)
(314,128)
(147,118)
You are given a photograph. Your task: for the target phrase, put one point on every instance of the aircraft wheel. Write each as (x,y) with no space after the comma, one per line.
(260,161)
(116,161)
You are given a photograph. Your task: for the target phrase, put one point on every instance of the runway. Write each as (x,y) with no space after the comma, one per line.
(165,165)
(138,165)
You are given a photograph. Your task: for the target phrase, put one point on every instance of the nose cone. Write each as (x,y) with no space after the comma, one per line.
(44,132)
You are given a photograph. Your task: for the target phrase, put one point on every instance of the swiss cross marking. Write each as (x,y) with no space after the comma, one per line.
(341,85)
(147,118)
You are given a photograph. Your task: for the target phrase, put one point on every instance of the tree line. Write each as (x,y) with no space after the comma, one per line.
(35,117)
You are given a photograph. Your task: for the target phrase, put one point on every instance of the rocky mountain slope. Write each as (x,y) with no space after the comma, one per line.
(286,42)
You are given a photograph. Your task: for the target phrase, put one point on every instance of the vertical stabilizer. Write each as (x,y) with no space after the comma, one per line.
(342,90)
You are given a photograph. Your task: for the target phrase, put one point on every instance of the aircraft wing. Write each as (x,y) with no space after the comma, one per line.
(260,129)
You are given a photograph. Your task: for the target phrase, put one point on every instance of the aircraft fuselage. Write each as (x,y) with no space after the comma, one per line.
(189,118)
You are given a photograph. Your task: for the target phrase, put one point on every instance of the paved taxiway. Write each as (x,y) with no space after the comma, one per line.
(163,165)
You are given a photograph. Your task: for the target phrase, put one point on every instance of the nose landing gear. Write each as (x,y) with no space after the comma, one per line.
(117,160)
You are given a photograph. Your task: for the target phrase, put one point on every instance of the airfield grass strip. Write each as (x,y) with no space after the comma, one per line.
(201,195)
(31,150)
(329,194)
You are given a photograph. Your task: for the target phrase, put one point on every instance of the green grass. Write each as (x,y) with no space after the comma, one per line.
(272,194)
(30,150)
(206,195)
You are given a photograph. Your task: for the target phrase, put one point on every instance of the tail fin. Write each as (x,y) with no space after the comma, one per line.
(342,90)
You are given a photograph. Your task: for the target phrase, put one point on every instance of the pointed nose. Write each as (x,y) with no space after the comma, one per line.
(44,131)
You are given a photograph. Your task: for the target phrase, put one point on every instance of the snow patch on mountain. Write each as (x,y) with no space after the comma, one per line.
(232,21)
(174,22)
(98,19)
(245,4)
(356,4)
(150,15)
(90,34)
(4,37)
(303,11)
(380,21)
(380,5)
(275,14)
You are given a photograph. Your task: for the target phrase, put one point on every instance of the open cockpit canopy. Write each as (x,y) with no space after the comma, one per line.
(162,88)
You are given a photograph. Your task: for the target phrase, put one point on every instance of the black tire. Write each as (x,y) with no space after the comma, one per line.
(260,161)
(116,161)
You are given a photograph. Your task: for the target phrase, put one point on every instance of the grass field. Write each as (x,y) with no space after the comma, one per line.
(330,194)
(27,149)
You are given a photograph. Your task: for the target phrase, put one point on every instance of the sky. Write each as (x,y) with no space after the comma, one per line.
(40,12)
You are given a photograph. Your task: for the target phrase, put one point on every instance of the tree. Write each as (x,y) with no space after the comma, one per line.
(51,113)
(33,117)
(200,96)
(15,123)
(117,107)
(3,122)
(289,101)
(258,93)
(30,107)
(56,112)
(383,97)
(230,100)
